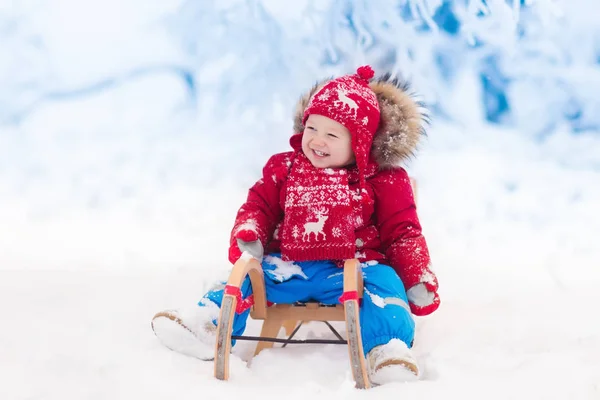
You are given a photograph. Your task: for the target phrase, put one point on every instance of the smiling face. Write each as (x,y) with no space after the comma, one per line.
(327,143)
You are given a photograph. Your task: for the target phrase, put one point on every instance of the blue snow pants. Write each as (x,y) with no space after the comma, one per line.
(384,311)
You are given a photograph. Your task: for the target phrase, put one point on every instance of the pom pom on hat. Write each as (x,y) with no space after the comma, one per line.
(365,72)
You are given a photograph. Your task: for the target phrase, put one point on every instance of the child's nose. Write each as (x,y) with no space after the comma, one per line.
(319,141)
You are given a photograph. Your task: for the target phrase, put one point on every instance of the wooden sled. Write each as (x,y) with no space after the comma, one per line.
(288,315)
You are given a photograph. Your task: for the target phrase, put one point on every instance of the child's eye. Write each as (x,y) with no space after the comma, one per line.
(310,128)
(331,135)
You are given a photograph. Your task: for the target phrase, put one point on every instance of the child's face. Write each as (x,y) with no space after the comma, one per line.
(327,143)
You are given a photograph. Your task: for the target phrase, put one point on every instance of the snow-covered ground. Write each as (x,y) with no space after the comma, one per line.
(110,212)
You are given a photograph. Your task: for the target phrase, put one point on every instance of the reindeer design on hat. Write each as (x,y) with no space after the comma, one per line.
(316,227)
(346,101)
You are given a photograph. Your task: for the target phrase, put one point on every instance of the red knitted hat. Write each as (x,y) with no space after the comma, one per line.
(350,101)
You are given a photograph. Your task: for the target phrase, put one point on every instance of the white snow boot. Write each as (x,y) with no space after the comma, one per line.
(392,362)
(190,332)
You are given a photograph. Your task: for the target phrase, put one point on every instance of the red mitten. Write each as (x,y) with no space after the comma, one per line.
(423,298)
(245,240)
(246,235)
(234,253)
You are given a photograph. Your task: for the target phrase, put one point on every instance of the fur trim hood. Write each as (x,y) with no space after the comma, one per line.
(401,125)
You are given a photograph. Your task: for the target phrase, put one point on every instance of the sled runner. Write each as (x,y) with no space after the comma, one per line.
(288,315)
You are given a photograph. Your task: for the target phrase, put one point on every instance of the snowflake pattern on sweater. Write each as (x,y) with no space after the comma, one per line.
(317,211)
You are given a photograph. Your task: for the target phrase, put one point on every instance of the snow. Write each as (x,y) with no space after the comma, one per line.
(283,270)
(381,302)
(118,204)
(66,339)
(376,299)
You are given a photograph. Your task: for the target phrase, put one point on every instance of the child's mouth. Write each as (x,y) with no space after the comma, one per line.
(320,153)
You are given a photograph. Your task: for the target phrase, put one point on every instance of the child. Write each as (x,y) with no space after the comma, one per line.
(339,194)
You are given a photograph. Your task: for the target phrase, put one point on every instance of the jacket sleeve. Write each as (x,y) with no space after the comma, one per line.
(261,212)
(400,231)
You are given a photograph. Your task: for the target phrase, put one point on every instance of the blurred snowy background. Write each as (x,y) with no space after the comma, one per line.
(123,122)
(130,131)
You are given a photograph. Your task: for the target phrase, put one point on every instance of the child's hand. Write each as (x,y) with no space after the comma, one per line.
(423,299)
(246,240)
